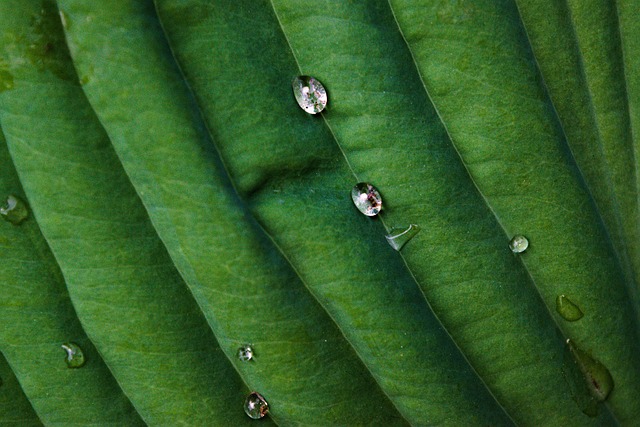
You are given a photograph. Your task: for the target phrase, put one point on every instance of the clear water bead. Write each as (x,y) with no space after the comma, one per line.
(255,406)
(245,353)
(568,309)
(366,198)
(310,94)
(14,210)
(518,244)
(75,357)
(398,237)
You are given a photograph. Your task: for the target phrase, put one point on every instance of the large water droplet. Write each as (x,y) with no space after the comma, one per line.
(14,210)
(518,244)
(255,406)
(567,309)
(589,380)
(245,353)
(75,356)
(310,94)
(366,198)
(398,237)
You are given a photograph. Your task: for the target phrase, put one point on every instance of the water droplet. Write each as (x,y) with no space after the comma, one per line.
(567,309)
(589,380)
(366,198)
(398,237)
(518,244)
(245,353)
(255,406)
(310,94)
(14,210)
(75,356)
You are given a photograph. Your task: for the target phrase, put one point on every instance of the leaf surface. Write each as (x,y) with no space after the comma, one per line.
(186,206)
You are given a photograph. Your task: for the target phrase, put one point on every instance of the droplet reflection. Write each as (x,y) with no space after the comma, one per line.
(75,357)
(366,198)
(256,406)
(310,94)
(518,244)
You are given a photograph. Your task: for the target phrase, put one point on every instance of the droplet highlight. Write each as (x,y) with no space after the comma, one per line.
(245,353)
(75,357)
(255,406)
(518,244)
(399,236)
(590,382)
(568,309)
(366,198)
(14,210)
(310,94)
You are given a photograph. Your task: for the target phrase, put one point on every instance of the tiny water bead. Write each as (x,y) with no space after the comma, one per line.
(75,356)
(590,382)
(366,198)
(518,244)
(399,236)
(14,210)
(567,309)
(310,94)
(256,406)
(245,353)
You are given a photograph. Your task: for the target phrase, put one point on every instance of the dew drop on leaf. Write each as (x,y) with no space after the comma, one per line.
(518,244)
(366,198)
(399,236)
(310,94)
(245,353)
(256,406)
(75,357)
(589,380)
(567,309)
(14,210)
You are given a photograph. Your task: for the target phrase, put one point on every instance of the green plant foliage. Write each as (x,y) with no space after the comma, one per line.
(181,206)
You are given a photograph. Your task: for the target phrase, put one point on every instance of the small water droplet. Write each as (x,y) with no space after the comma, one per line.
(518,244)
(310,94)
(255,406)
(399,236)
(567,309)
(14,210)
(245,353)
(75,356)
(366,198)
(589,380)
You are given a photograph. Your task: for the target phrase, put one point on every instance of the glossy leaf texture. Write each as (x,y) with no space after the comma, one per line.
(182,205)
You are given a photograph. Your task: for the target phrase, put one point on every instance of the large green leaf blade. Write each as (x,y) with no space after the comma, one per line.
(37,317)
(310,201)
(544,196)
(303,365)
(128,295)
(456,222)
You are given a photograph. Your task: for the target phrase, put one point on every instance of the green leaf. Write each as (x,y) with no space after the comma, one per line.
(14,405)
(186,206)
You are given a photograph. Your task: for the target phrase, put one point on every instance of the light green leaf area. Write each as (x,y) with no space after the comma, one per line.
(181,206)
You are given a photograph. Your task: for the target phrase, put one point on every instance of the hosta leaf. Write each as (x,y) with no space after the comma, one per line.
(128,295)
(187,206)
(37,318)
